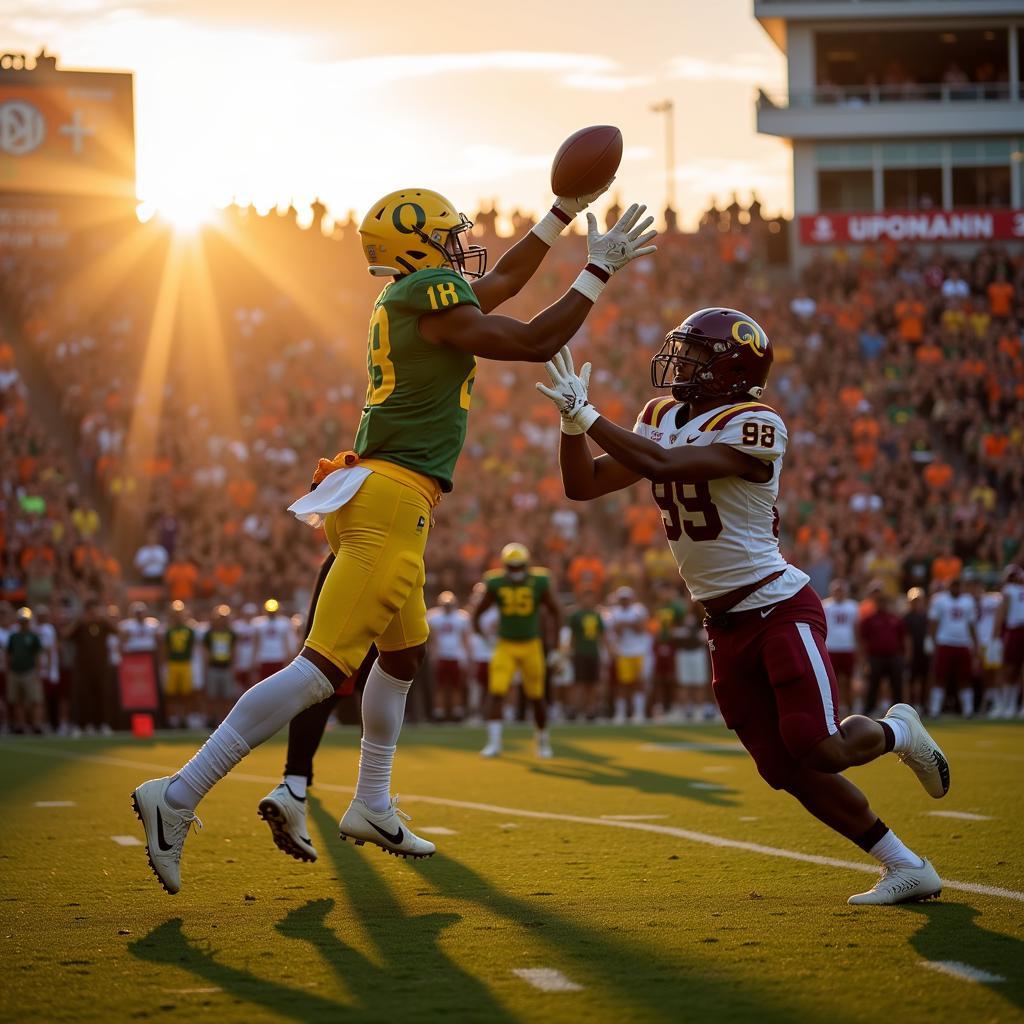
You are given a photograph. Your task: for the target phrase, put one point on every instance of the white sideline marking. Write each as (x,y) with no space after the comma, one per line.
(437,830)
(574,819)
(547,979)
(963,815)
(965,972)
(508,824)
(54,803)
(127,840)
(632,817)
(706,785)
(750,817)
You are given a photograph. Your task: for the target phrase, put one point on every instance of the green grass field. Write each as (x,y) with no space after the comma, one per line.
(650,919)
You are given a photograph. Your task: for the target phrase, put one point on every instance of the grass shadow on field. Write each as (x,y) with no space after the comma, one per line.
(406,969)
(608,964)
(949,932)
(577,764)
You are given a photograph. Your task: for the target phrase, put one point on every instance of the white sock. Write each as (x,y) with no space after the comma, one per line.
(901,735)
(297,785)
(935,702)
(383,712)
(638,705)
(620,707)
(541,735)
(893,854)
(967,702)
(494,733)
(259,713)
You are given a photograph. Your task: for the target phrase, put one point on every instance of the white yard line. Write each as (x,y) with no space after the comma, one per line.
(54,803)
(632,817)
(547,979)
(437,830)
(964,972)
(962,815)
(703,838)
(127,840)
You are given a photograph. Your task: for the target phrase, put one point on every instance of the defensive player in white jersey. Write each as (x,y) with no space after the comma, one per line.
(450,632)
(1012,629)
(713,453)
(952,619)
(630,643)
(274,639)
(841,613)
(245,649)
(482,647)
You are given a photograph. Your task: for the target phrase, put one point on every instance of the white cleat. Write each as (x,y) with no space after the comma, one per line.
(544,750)
(924,758)
(901,885)
(166,830)
(285,813)
(491,750)
(384,828)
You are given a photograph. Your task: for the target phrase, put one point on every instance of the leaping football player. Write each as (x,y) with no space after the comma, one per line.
(376,503)
(713,454)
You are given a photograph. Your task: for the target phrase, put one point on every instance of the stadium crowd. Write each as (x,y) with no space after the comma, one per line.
(203,377)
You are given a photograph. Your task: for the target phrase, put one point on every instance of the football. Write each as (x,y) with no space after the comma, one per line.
(586,160)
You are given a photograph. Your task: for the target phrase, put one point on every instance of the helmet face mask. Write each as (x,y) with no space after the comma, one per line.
(713,353)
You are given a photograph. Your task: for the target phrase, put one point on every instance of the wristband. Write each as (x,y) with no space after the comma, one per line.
(591,281)
(551,225)
(587,417)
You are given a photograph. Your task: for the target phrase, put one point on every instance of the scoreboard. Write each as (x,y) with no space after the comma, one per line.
(65,133)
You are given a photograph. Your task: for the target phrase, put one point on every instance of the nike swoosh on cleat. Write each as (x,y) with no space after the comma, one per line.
(396,838)
(765,612)
(161,840)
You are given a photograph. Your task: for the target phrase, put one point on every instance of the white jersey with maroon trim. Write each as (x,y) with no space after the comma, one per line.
(841,617)
(139,637)
(955,616)
(1013,595)
(274,639)
(724,533)
(988,612)
(449,628)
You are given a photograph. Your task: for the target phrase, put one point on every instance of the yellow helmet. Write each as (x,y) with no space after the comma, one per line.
(413,229)
(515,556)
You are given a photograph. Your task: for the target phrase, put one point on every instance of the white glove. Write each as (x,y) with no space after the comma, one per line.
(623,243)
(569,392)
(577,204)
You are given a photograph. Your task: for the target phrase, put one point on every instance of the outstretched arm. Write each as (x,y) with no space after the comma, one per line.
(485,602)
(585,477)
(491,336)
(520,263)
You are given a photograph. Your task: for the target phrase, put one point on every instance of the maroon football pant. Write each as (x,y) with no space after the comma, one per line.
(774,683)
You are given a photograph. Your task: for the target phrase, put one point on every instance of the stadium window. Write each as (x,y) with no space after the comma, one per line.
(840,191)
(912,188)
(981,186)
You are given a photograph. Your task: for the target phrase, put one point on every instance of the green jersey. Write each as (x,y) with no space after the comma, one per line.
(180,640)
(518,602)
(417,400)
(587,628)
(669,617)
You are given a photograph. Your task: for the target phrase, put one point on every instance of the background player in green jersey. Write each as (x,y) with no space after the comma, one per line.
(587,636)
(376,502)
(518,590)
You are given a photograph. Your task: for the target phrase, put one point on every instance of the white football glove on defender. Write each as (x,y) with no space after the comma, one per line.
(569,392)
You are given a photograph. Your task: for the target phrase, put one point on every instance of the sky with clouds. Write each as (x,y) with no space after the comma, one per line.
(271,101)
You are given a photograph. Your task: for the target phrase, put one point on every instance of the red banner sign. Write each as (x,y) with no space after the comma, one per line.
(137,683)
(912,226)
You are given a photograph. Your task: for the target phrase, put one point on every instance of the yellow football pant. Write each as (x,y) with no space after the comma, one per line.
(629,669)
(178,681)
(374,590)
(526,656)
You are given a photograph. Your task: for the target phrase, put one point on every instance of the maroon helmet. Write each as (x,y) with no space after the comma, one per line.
(728,353)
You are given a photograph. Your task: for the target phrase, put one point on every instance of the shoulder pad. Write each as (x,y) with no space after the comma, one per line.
(493,574)
(717,420)
(539,570)
(654,411)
